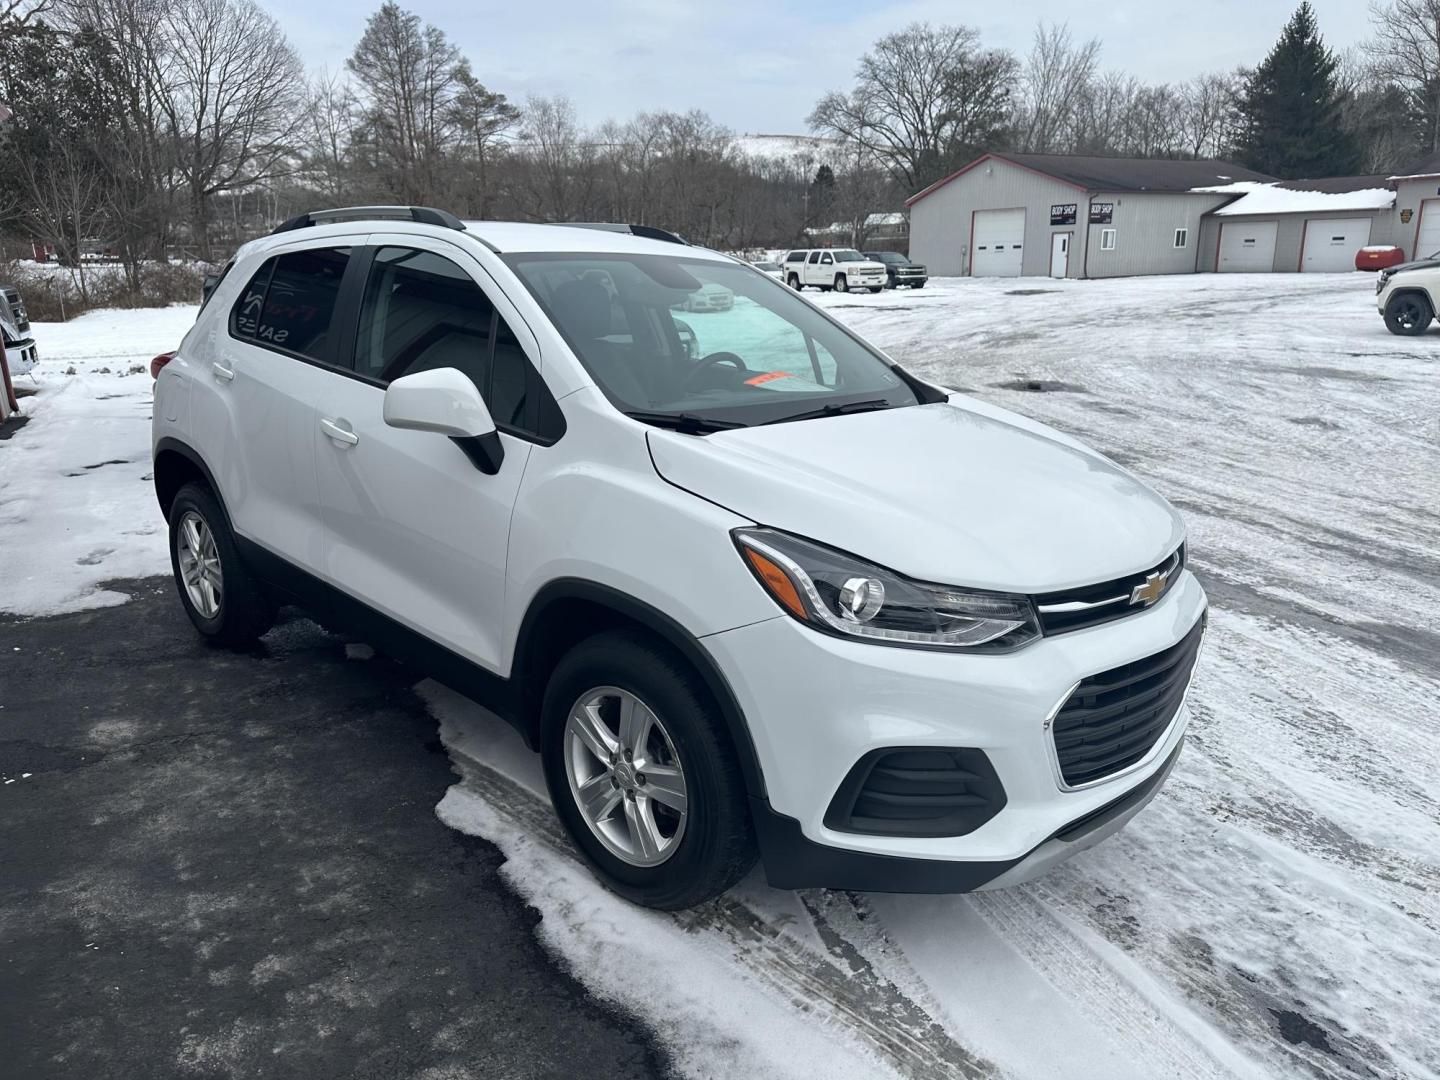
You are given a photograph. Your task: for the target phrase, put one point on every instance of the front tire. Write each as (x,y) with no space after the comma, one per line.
(1408,314)
(642,772)
(224,602)
(842,284)
(875,288)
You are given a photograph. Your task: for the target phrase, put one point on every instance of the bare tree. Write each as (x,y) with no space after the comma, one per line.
(924,99)
(231,90)
(482,118)
(329,117)
(1053,83)
(408,75)
(1406,52)
(553,187)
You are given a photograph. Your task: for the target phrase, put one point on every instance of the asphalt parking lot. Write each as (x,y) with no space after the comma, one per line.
(230,864)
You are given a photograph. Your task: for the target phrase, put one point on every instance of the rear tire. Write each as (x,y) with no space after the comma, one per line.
(794,283)
(224,602)
(711,845)
(1408,314)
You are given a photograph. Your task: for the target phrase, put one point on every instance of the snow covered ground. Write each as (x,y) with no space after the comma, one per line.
(1275,912)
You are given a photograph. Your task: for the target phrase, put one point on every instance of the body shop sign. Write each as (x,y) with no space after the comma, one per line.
(1064,213)
(1102,213)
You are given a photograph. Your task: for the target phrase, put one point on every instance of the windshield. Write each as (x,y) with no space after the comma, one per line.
(675,335)
(844,255)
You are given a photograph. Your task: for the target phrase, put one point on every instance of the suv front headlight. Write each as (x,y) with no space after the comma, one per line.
(843,595)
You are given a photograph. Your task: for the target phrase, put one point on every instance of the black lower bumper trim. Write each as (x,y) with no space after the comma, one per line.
(792,861)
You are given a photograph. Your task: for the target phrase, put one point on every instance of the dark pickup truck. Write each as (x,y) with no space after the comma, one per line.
(900,270)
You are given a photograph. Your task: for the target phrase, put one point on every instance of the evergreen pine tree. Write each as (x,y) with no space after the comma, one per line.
(1290,110)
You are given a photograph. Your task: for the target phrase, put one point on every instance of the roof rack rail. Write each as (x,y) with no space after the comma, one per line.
(425,215)
(649,232)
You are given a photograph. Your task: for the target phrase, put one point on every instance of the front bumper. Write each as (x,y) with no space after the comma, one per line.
(815,705)
(21,357)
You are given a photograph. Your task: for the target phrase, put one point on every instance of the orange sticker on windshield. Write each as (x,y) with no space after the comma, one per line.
(769,376)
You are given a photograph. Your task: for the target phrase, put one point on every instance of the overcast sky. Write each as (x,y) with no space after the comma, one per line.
(759,65)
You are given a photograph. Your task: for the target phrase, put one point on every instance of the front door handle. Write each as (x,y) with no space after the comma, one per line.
(221,372)
(340,434)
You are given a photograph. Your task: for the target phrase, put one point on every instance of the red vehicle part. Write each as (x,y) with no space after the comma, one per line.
(159,362)
(1378,257)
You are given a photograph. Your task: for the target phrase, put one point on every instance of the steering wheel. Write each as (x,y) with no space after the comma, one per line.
(705,363)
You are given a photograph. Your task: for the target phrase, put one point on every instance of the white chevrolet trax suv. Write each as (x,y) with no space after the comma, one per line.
(749,587)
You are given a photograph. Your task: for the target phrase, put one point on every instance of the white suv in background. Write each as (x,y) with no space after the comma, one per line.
(1408,295)
(841,269)
(745,584)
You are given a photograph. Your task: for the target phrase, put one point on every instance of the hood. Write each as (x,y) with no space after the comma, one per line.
(957,492)
(1414,264)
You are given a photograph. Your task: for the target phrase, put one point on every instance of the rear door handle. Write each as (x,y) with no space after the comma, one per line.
(340,434)
(221,372)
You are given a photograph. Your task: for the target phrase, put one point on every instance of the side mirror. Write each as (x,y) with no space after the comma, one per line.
(688,340)
(446,402)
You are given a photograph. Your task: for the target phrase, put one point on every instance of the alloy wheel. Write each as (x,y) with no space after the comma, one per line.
(199,562)
(625,776)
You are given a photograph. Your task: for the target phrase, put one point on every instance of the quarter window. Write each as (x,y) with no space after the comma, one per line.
(290,302)
(1182,238)
(1107,239)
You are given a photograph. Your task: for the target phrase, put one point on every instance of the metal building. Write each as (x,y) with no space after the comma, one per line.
(1301,226)
(1061,215)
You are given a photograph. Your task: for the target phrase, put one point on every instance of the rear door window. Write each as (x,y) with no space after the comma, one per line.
(290,303)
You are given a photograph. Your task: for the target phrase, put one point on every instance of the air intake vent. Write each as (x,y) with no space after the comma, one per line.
(1112,720)
(920,791)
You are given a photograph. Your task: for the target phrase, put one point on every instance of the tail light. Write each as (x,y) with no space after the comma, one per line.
(159,362)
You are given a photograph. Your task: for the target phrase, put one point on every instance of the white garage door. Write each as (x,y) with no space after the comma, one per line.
(1330,245)
(1429,240)
(998,243)
(1247,247)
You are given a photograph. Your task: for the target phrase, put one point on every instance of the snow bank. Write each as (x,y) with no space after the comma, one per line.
(77,506)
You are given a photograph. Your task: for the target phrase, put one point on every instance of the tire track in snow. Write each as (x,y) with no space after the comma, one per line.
(842,988)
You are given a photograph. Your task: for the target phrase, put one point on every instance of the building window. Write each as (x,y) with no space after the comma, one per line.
(1182,238)
(1107,239)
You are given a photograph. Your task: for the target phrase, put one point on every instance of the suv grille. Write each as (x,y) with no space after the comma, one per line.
(17,308)
(1112,720)
(919,791)
(1091,605)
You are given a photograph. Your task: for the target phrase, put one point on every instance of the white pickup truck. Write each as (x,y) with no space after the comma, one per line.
(20,353)
(841,269)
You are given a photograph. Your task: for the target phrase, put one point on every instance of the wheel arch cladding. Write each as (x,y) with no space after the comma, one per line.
(569,610)
(176,465)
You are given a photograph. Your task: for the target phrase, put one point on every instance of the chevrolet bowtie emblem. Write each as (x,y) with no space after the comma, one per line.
(1151,590)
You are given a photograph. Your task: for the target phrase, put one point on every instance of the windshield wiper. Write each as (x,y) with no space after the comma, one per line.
(685,423)
(872,405)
